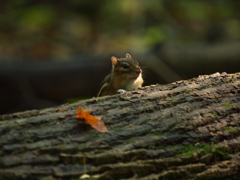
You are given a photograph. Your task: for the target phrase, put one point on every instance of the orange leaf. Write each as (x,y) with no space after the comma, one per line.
(94,121)
(100,127)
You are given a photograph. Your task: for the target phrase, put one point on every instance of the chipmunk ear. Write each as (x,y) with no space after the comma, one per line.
(114,60)
(128,56)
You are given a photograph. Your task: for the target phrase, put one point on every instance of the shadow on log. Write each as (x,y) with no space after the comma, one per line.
(183,130)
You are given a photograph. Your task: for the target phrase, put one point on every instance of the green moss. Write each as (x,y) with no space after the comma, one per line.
(228,128)
(236,132)
(89,138)
(227,105)
(101,136)
(215,115)
(230,80)
(190,149)
(158,134)
(120,129)
(171,146)
(221,153)
(154,147)
(131,141)
(217,152)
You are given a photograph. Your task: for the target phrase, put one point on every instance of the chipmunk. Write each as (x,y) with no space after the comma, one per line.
(126,74)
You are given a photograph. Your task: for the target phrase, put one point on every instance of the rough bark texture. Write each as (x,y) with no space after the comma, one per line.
(184,130)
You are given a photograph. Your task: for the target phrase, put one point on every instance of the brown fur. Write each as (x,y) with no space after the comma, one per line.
(126,74)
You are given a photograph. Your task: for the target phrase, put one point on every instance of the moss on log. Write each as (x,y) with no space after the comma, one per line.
(184,130)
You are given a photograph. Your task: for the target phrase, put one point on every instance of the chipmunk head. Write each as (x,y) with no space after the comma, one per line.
(126,67)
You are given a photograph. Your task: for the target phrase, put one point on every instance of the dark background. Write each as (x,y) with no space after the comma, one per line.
(53,52)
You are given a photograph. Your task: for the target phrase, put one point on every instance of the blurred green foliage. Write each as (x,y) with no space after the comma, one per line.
(38,29)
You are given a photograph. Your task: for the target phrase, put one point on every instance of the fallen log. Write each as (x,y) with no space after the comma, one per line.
(184,130)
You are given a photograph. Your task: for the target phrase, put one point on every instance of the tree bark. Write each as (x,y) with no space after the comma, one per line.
(183,130)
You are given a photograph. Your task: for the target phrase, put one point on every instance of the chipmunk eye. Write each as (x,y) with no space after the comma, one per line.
(125,66)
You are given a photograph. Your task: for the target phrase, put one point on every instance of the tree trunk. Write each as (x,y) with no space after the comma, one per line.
(184,130)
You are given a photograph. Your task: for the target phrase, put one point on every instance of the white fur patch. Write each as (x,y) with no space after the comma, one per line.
(136,84)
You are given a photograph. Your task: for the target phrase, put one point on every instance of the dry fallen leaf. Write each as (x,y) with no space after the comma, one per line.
(94,121)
